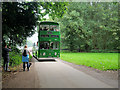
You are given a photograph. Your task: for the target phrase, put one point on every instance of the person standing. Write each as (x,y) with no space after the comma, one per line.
(25,58)
(5,55)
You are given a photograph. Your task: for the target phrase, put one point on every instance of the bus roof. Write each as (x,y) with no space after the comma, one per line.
(48,23)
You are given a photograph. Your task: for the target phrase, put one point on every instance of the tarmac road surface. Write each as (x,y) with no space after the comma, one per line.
(55,74)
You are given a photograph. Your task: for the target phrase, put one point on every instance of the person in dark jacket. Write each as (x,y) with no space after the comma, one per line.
(5,52)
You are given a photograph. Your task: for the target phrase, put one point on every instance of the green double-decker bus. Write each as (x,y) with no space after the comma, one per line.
(48,40)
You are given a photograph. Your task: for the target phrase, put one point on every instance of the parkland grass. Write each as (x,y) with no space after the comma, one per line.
(101,61)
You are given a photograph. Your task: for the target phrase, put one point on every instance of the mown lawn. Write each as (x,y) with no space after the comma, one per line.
(101,61)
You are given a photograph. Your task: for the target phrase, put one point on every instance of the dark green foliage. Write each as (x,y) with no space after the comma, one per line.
(15,59)
(19,19)
(91,26)
(30,57)
(16,50)
(53,9)
(104,51)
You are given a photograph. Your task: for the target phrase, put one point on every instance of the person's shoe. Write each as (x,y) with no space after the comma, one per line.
(23,69)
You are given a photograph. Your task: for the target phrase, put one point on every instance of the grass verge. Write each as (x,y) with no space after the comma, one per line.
(101,61)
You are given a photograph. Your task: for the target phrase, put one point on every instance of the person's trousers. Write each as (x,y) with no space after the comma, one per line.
(6,65)
(25,66)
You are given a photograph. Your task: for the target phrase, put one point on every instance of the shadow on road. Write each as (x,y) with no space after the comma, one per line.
(46,60)
(34,59)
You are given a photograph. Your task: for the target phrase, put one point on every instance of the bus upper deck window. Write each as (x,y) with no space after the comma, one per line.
(51,29)
(57,28)
(54,28)
(45,29)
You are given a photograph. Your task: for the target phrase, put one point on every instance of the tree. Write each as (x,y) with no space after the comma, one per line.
(21,18)
(72,29)
(92,25)
(19,21)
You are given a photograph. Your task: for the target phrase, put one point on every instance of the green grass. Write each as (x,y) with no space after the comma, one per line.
(101,61)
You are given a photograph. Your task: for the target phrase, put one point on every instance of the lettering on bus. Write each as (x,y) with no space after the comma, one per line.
(49,32)
(44,35)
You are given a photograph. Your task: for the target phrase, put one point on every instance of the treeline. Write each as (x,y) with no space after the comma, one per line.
(91,26)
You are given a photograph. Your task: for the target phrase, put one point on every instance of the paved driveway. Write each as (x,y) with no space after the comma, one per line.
(56,74)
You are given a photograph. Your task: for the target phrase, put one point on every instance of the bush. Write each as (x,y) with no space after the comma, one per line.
(30,57)
(68,51)
(15,59)
(103,51)
(64,51)
(14,49)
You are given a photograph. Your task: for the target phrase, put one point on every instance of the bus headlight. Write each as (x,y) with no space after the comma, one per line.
(55,53)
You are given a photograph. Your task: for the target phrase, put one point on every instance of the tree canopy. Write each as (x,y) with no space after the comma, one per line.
(84,26)
(21,18)
(90,26)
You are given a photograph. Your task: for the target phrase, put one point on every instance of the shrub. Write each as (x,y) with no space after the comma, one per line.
(68,51)
(30,57)
(103,51)
(15,49)
(15,58)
